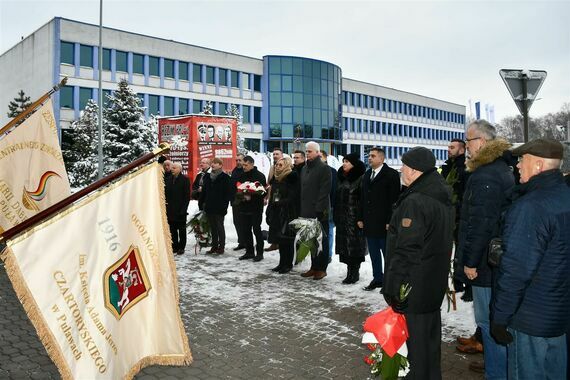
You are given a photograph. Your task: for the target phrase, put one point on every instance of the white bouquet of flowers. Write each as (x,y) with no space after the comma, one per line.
(309,237)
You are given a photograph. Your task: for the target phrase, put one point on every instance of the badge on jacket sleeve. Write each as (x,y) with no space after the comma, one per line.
(406,222)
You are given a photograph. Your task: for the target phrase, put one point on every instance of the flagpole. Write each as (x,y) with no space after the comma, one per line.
(33,107)
(100,121)
(28,223)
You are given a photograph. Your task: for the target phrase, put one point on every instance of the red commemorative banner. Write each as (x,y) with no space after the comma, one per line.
(195,137)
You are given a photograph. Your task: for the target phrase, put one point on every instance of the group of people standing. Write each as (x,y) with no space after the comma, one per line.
(511,238)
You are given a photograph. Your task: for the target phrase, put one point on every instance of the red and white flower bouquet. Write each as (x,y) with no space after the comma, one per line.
(247,189)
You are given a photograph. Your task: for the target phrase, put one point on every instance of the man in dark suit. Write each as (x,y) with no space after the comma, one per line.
(380,189)
(198,183)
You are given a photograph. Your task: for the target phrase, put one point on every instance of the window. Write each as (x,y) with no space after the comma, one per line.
(223,77)
(196,106)
(209,75)
(153,66)
(245,81)
(66,97)
(138,64)
(86,56)
(234,79)
(121,61)
(257,115)
(245,114)
(197,72)
(252,144)
(67,53)
(168,68)
(153,106)
(222,108)
(168,106)
(84,95)
(183,70)
(106,59)
(182,106)
(256,82)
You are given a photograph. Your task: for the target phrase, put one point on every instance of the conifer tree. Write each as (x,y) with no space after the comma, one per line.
(127,134)
(19,104)
(81,157)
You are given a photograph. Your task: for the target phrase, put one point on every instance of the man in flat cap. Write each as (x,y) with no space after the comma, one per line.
(419,240)
(531,303)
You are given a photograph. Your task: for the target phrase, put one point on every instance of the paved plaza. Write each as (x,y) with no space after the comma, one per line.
(243,322)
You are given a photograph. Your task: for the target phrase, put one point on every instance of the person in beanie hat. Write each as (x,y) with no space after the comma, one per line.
(420,237)
(531,296)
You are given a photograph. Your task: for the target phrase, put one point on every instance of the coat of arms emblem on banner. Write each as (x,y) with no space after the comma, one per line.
(126,283)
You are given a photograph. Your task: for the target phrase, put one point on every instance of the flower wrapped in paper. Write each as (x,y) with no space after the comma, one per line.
(201,228)
(247,189)
(386,333)
(308,239)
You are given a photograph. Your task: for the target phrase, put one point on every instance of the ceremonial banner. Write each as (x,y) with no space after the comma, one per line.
(32,173)
(98,282)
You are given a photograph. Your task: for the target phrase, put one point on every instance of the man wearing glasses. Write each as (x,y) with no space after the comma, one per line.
(480,221)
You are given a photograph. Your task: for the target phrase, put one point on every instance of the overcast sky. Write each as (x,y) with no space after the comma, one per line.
(450,50)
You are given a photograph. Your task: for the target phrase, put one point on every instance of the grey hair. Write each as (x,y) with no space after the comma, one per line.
(485,128)
(314,145)
(177,165)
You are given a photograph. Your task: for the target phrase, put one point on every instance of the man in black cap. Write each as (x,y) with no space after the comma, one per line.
(420,237)
(531,300)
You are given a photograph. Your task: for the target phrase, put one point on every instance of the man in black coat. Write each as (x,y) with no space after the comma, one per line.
(420,237)
(315,203)
(380,189)
(177,200)
(251,211)
(216,195)
(198,183)
(236,174)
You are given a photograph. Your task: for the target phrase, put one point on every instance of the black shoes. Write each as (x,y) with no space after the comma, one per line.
(247,256)
(352,276)
(239,247)
(373,285)
(276,269)
(284,270)
(258,258)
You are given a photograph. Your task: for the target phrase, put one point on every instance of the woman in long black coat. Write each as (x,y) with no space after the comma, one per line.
(350,240)
(284,203)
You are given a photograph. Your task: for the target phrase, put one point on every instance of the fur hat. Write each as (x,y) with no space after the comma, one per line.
(353,158)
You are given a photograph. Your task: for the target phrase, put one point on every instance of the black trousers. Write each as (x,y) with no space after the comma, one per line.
(424,346)
(249,223)
(321,262)
(286,252)
(217,229)
(237,224)
(178,233)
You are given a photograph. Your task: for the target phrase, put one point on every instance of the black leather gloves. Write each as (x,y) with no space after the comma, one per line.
(397,305)
(501,334)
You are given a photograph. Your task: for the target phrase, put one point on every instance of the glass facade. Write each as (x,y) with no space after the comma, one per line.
(303,99)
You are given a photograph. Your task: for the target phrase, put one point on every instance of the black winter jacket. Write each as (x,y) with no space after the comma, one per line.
(255,205)
(532,293)
(315,189)
(216,194)
(349,240)
(177,197)
(284,204)
(485,199)
(419,243)
(378,198)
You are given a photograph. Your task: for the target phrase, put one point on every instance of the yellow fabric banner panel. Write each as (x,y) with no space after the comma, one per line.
(98,282)
(32,173)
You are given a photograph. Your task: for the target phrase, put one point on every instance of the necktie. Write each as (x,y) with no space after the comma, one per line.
(373,175)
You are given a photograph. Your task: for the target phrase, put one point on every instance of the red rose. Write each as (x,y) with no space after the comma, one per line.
(368,361)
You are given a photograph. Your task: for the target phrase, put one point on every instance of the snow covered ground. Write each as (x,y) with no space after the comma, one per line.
(234,281)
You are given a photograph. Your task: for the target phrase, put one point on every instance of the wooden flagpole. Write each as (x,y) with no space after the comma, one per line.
(32,108)
(32,221)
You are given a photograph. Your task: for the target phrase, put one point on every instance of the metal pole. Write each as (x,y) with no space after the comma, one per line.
(525,107)
(100,143)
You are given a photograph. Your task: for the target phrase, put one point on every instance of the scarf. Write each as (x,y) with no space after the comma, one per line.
(215,173)
(281,173)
